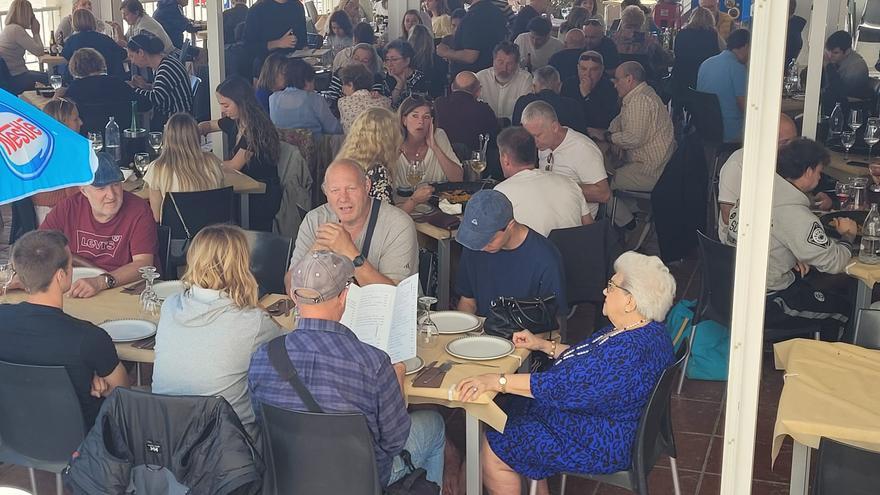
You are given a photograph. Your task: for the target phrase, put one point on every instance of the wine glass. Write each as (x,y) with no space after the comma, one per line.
(841,190)
(872,134)
(858,188)
(847,139)
(150,303)
(856,117)
(55,81)
(6,274)
(155,140)
(415,172)
(97,141)
(141,163)
(874,171)
(428,332)
(477,163)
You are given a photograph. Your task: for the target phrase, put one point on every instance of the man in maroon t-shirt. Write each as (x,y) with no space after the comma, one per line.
(108,229)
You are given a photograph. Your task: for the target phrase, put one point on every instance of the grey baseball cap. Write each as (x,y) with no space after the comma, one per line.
(108,171)
(320,276)
(487,213)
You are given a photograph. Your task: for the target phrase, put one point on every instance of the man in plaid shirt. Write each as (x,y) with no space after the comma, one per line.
(345,375)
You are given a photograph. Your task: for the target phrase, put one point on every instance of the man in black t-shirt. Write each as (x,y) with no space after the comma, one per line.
(520,23)
(274,25)
(38,332)
(482,28)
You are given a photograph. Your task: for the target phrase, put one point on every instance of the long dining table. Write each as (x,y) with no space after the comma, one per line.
(119,304)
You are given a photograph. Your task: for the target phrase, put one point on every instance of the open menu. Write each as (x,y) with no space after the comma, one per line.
(384,316)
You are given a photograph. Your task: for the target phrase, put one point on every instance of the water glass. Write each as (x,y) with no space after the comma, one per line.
(856,117)
(55,81)
(155,140)
(428,332)
(141,163)
(97,141)
(847,139)
(872,134)
(150,302)
(6,274)
(858,192)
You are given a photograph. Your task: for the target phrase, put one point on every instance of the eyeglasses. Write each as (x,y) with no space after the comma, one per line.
(611,286)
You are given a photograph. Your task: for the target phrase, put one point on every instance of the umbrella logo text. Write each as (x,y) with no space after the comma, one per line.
(25,146)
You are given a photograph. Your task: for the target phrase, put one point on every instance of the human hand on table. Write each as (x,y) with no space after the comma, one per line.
(525,339)
(471,388)
(333,237)
(87,287)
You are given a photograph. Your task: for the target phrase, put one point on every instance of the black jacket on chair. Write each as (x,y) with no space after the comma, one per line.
(156,444)
(679,200)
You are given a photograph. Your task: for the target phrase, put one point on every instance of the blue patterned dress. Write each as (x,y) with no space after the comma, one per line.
(586,407)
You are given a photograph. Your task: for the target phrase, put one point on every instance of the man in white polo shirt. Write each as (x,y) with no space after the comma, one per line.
(504,82)
(541,200)
(567,152)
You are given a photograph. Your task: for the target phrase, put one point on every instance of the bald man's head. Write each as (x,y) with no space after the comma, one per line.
(575,38)
(466,81)
(787,129)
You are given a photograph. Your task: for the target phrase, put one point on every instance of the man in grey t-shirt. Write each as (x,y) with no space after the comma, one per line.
(341,226)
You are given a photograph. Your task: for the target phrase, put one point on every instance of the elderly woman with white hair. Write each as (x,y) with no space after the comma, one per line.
(581,414)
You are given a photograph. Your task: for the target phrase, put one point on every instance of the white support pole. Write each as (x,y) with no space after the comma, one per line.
(819,20)
(761,129)
(216,65)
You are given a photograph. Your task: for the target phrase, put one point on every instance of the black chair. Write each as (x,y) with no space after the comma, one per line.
(24,219)
(6,77)
(167,268)
(842,468)
(95,115)
(318,453)
(867,328)
(705,117)
(270,255)
(41,423)
(654,437)
(586,276)
(196,211)
(715,302)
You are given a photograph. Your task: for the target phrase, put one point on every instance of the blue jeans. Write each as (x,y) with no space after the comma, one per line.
(426,443)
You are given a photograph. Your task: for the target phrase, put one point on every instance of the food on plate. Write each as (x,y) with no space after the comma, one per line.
(455,196)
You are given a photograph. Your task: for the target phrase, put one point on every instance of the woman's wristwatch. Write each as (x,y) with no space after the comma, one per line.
(502,380)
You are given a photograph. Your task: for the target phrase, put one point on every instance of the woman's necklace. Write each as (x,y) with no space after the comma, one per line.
(408,151)
(585,349)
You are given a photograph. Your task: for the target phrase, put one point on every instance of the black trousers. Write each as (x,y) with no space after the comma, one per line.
(804,300)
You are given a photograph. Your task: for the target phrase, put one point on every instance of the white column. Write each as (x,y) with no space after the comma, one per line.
(766,69)
(108,10)
(216,65)
(819,20)
(396,8)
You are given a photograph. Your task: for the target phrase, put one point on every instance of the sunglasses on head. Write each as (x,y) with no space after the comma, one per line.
(591,58)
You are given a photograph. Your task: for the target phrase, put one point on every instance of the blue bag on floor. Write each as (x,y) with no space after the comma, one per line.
(711,347)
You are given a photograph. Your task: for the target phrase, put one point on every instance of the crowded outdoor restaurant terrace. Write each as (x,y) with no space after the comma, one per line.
(439,247)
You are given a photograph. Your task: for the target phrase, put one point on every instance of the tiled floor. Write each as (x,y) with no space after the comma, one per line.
(698,417)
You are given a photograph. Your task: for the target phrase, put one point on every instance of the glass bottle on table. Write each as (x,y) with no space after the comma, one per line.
(869,247)
(112,141)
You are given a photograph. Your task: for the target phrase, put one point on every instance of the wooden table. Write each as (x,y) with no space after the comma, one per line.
(35,99)
(242,185)
(792,106)
(48,62)
(830,391)
(444,259)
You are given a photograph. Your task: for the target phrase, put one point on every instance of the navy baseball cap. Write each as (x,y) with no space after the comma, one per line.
(108,171)
(487,213)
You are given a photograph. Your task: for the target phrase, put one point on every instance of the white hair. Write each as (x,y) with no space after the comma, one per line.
(649,282)
(539,110)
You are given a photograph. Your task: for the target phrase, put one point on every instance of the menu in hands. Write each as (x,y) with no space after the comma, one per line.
(384,316)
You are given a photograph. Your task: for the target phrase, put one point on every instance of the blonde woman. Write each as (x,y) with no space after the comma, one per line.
(15,41)
(63,111)
(207,334)
(441,23)
(182,166)
(696,42)
(374,142)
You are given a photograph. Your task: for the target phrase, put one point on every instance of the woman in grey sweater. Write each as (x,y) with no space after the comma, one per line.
(207,333)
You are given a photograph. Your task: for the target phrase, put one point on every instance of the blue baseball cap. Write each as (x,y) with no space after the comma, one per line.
(487,213)
(108,171)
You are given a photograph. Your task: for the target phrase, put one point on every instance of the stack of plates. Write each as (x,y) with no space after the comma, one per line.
(453,322)
(480,348)
(129,330)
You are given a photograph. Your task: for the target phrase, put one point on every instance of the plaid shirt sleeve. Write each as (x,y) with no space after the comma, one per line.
(634,122)
(392,418)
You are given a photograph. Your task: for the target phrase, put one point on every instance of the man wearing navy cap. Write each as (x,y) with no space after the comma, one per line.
(502,257)
(108,229)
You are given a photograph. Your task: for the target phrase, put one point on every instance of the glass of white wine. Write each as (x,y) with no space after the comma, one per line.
(415,173)
(478,163)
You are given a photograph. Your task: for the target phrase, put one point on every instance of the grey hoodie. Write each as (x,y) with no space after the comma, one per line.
(796,234)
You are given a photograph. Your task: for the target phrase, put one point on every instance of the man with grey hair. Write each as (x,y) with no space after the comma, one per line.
(567,152)
(546,87)
(640,140)
(504,82)
(380,239)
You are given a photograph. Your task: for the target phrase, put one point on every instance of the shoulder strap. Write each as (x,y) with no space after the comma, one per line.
(371,226)
(281,362)
(189,235)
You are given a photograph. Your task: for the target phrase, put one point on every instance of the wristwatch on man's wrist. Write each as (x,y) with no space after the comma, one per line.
(359,261)
(109,280)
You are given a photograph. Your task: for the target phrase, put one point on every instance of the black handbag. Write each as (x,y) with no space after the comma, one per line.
(179,247)
(414,483)
(508,315)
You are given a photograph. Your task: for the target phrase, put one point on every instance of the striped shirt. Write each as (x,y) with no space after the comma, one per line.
(344,375)
(171,91)
(644,130)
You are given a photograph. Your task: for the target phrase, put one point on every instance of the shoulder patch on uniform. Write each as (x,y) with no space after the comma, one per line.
(817,236)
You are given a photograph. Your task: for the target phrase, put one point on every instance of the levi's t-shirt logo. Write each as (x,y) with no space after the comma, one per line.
(97,245)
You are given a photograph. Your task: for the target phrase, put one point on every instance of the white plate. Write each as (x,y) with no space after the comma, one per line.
(129,330)
(85,272)
(480,348)
(451,322)
(166,289)
(414,365)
